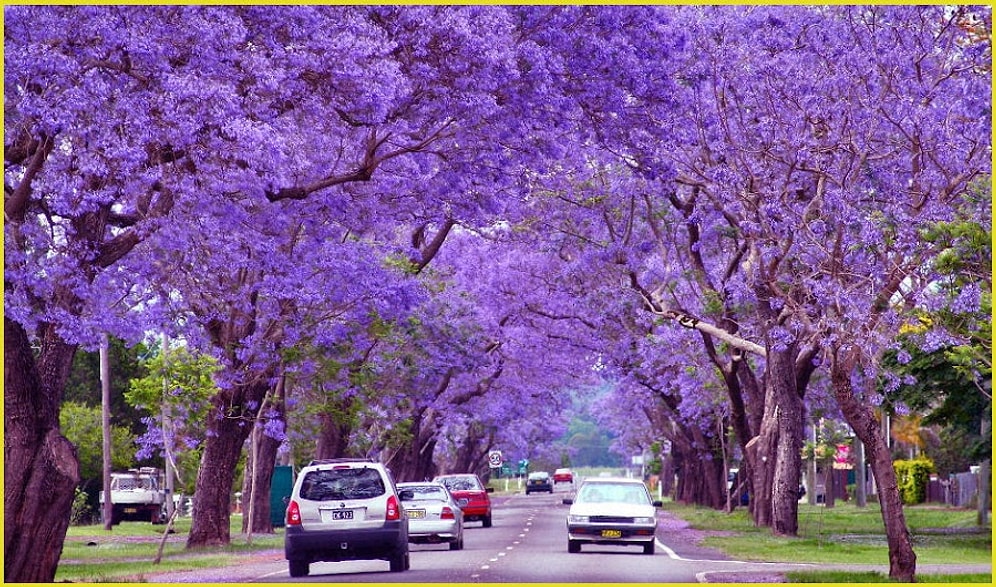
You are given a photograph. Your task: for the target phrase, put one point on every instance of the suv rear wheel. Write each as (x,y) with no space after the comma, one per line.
(400,561)
(299,568)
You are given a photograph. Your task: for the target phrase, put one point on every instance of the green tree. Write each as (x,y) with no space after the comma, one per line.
(82,425)
(126,363)
(950,382)
(176,390)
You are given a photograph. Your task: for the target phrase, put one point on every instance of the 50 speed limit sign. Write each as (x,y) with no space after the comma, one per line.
(494,459)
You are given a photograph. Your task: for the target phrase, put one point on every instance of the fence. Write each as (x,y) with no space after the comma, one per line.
(958,490)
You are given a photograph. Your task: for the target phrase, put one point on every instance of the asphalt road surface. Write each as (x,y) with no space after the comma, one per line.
(526,544)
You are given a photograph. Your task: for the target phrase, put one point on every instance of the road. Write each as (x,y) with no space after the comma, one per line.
(526,544)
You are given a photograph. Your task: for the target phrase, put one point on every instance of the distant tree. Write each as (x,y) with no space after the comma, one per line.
(83,427)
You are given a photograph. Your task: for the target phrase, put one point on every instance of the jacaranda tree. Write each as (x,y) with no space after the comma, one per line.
(268,182)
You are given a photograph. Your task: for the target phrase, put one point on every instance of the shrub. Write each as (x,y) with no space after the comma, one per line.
(81,513)
(913,476)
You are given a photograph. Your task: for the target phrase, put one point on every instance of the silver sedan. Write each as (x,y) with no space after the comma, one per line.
(433,514)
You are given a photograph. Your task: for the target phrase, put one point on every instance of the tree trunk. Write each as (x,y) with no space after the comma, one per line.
(413,462)
(775,454)
(828,485)
(259,467)
(41,469)
(336,429)
(788,460)
(861,418)
(226,436)
(260,462)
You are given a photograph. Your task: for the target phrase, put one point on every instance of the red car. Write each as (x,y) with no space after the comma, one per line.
(563,476)
(470,494)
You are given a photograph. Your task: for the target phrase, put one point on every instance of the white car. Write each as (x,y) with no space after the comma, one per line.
(433,514)
(345,509)
(612,511)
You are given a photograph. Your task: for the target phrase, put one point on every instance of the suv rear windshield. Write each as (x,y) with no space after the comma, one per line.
(360,483)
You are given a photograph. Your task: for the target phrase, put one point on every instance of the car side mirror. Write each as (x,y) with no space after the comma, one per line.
(658,504)
(489,489)
(568,501)
(286,500)
(406,495)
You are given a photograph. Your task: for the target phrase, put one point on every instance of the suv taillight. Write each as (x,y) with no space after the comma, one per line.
(393,511)
(447,514)
(293,514)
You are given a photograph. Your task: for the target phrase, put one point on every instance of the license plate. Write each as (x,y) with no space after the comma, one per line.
(416,513)
(611,533)
(131,510)
(342,514)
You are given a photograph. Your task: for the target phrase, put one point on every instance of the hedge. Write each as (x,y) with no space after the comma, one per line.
(913,476)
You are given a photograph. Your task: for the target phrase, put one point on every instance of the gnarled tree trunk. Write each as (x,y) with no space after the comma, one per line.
(41,469)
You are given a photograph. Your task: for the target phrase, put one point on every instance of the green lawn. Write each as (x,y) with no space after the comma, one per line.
(126,553)
(846,534)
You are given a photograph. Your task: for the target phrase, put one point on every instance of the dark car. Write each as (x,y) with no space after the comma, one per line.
(539,481)
(471,495)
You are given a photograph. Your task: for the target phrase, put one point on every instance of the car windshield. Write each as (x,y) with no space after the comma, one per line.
(461,483)
(350,483)
(613,493)
(430,492)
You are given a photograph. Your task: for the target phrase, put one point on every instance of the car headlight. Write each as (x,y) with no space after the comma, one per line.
(574,519)
(643,520)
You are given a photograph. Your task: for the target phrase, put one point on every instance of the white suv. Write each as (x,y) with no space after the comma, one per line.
(345,509)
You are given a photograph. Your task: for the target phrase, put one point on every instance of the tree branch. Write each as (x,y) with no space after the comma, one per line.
(654,304)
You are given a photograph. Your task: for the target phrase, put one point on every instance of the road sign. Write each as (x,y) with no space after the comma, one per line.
(494,459)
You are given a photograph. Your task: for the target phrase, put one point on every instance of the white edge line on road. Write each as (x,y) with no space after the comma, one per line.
(672,554)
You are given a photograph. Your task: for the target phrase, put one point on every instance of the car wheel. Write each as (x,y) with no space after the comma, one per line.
(299,568)
(457,544)
(648,548)
(399,561)
(487,521)
(573,546)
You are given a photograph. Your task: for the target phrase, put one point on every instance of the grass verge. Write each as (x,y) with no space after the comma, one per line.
(127,552)
(873,577)
(849,535)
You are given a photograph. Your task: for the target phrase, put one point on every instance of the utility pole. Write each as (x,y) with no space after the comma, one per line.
(860,479)
(105,405)
(168,434)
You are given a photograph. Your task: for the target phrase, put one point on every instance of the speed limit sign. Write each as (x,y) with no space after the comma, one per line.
(494,459)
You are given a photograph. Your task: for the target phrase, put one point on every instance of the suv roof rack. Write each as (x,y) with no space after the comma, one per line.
(342,460)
